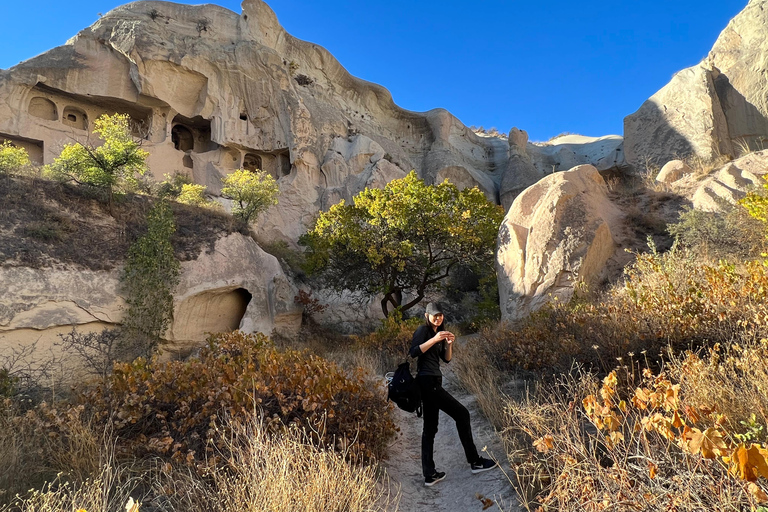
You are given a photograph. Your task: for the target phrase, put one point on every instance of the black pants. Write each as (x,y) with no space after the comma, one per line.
(435,399)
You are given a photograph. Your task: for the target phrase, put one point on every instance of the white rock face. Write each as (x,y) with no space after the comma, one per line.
(710,109)
(236,286)
(557,233)
(212,91)
(568,151)
(731,182)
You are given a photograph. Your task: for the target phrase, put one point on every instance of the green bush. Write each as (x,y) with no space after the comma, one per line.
(730,232)
(12,159)
(252,193)
(151,273)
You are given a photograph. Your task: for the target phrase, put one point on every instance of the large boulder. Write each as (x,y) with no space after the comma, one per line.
(557,233)
(235,286)
(673,171)
(710,109)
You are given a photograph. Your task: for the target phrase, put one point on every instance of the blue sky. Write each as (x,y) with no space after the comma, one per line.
(545,67)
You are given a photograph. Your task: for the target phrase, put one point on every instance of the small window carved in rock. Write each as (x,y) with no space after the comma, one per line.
(252,162)
(243,116)
(43,108)
(75,118)
(187,162)
(182,138)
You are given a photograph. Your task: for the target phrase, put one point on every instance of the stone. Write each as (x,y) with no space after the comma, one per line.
(730,182)
(567,151)
(236,286)
(673,171)
(713,109)
(557,233)
(520,172)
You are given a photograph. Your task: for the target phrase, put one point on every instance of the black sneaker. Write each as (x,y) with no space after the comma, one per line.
(482,464)
(432,480)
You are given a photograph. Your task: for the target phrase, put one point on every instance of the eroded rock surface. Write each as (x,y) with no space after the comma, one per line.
(557,233)
(237,285)
(710,109)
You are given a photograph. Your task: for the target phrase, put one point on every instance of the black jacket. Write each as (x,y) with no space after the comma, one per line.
(428,362)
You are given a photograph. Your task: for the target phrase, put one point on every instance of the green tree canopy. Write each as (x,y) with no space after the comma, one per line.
(116,163)
(251,192)
(12,158)
(403,239)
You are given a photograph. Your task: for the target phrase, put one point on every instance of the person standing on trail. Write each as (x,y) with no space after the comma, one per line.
(430,344)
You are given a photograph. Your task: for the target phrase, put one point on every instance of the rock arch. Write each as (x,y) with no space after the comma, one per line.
(217,310)
(43,108)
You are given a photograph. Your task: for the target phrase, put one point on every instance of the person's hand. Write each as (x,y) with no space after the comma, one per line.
(449,337)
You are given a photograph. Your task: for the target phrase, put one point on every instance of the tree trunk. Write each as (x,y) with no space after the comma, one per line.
(394,297)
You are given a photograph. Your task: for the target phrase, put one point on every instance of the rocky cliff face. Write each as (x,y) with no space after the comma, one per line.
(711,109)
(212,91)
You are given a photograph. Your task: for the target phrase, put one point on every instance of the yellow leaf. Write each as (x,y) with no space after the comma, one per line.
(132,506)
(709,443)
(652,469)
(677,421)
(749,463)
(544,444)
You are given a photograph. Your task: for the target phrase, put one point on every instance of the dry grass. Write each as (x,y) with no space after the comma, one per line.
(578,445)
(566,461)
(478,375)
(274,473)
(263,470)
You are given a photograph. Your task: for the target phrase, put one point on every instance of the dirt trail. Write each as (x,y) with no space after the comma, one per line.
(460,490)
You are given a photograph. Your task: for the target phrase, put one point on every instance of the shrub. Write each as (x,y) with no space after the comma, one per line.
(391,342)
(634,442)
(265,470)
(666,299)
(97,351)
(170,408)
(12,159)
(151,273)
(114,165)
(252,193)
(730,232)
(181,189)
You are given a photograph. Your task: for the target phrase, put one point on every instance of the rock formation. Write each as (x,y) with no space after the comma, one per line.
(557,233)
(710,109)
(237,285)
(673,171)
(729,183)
(210,91)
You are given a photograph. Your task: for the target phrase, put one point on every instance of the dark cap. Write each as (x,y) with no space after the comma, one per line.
(434,308)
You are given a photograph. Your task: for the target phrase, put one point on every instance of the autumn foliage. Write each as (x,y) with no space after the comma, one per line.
(173,408)
(669,300)
(645,446)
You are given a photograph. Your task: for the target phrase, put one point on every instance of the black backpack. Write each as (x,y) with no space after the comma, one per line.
(403,390)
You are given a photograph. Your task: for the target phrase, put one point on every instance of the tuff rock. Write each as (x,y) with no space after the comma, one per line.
(556,234)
